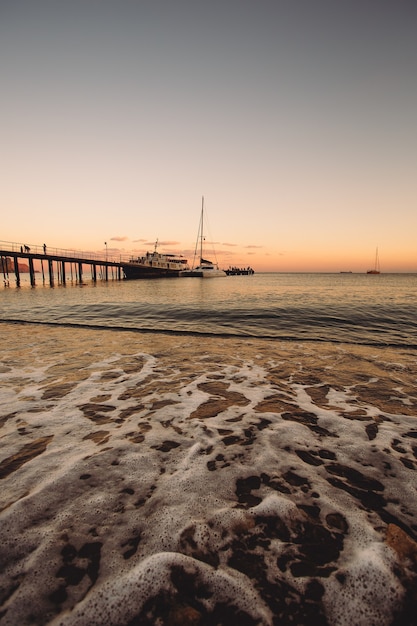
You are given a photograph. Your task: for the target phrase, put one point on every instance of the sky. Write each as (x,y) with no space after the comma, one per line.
(295,119)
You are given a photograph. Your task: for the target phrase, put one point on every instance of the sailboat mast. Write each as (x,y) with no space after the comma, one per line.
(201,229)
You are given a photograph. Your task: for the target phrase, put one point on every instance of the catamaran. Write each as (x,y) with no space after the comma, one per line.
(205,268)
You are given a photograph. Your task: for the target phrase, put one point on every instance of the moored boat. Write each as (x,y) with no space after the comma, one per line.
(155,265)
(205,268)
(376,269)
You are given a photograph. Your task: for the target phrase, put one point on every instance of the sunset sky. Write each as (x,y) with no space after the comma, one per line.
(295,119)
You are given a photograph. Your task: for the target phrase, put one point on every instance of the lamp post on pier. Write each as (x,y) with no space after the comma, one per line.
(106,268)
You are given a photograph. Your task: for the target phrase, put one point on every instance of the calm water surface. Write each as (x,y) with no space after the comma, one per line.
(350,308)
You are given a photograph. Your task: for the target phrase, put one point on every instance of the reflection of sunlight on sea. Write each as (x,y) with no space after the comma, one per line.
(141,465)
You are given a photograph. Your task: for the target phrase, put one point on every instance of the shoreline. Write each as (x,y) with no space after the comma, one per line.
(152,477)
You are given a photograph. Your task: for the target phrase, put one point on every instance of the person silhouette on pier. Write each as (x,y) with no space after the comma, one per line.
(44,248)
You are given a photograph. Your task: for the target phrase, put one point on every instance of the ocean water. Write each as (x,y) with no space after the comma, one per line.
(352,308)
(235,451)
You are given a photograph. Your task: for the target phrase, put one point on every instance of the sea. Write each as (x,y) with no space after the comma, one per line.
(342,308)
(238,450)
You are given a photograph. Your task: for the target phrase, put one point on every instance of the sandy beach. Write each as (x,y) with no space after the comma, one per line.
(154,479)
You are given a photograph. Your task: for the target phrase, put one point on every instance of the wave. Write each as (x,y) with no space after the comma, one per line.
(231,333)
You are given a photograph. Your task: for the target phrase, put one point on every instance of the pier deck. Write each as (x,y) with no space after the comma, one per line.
(55,264)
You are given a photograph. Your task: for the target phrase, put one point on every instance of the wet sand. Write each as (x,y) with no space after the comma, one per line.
(157,479)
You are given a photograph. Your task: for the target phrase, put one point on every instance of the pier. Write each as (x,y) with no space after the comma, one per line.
(240,271)
(56,265)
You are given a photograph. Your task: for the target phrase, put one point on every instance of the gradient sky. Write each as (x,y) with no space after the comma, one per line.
(296,119)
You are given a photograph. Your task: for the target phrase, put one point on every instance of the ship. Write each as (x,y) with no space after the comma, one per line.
(155,265)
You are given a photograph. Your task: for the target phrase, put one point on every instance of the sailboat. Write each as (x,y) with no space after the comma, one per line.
(376,269)
(205,269)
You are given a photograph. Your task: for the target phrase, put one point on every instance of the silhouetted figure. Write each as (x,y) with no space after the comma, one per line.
(44,248)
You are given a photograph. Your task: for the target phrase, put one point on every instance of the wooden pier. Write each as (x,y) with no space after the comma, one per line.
(56,266)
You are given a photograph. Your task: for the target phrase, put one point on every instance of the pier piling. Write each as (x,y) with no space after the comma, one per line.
(16,270)
(32,272)
(51,272)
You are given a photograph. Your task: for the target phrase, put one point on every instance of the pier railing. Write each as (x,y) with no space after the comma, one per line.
(22,248)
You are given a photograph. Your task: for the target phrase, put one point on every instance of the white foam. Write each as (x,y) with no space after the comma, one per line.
(121,599)
(132,485)
(368,592)
(278,506)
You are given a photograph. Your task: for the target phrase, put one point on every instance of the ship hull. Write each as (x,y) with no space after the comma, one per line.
(134,271)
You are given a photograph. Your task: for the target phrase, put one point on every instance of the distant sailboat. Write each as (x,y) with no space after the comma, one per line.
(205,269)
(376,269)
